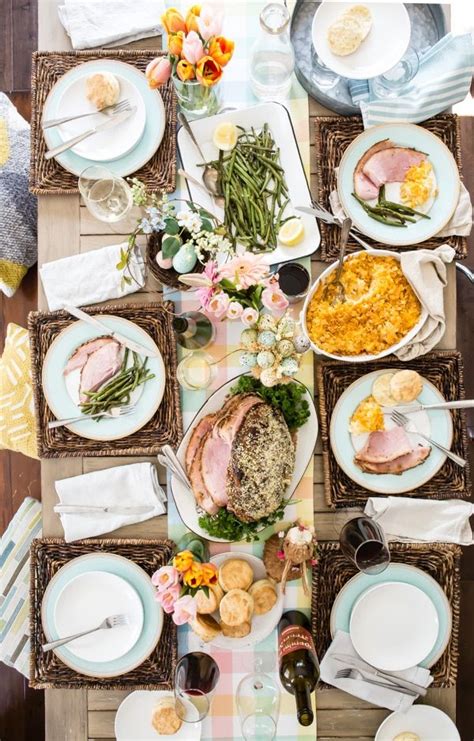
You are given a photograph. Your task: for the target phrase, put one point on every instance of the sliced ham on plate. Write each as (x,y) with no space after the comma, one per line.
(80,355)
(397,466)
(385,445)
(100,367)
(384,162)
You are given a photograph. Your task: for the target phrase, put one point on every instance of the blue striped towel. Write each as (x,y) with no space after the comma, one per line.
(15,585)
(443,79)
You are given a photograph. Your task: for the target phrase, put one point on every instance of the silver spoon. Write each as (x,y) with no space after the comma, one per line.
(210,175)
(219,200)
(336,287)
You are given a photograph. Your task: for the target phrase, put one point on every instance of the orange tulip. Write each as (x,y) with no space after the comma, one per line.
(191,18)
(175,43)
(208,72)
(183,561)
(173,21)
(193,576)
(209,574)
(185,70)
(221,49)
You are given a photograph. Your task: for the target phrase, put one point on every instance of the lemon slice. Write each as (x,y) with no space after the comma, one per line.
(292,232)
(225,136)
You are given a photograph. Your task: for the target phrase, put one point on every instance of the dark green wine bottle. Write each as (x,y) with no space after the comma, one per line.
(299,667)
(193,330)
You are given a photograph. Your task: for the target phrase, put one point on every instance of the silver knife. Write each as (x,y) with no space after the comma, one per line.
(330,219)
(110,123)
(72,509)
(462,404)
(373,672)
(94,322)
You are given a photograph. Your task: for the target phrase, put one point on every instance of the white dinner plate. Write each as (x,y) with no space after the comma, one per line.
(384,46)
(281,127)
(112,143)
(133,719)
(393,626)
(307,436)
(429,723)
(85,602)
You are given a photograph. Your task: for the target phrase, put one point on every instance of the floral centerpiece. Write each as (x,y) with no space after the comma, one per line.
(197,55)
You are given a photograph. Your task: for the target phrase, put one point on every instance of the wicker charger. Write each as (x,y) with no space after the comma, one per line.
(439,560)
(165,427)
(47,556)
(333,134)
(445,370)
(47,176)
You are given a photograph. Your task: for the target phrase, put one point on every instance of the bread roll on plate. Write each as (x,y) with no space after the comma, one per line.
(406,385)
(209,604)
(236,631)
(205,627)
(236,607)
(235,573)
(345,36)
(102,89)
(264,596)
(164,719)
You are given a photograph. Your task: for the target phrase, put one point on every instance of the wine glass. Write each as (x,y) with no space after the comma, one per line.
(389,84)
(195,680)
(363,541)
(196,371)
(258,703)
(107,196)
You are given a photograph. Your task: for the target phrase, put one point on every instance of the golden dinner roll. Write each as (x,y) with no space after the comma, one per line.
(102,89)
(236,631)
(264,596)
(407,736)
(207,604)
(363,15)
(205,627)
(345,36)
(164,719)
(236,607)
(406,385)
(235,574)
(381,390)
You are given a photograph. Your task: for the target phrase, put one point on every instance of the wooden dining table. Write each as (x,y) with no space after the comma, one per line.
(65,227)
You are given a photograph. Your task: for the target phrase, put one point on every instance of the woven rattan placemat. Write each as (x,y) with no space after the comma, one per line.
(445,370)
(333,134)
(439,560)
(165,427)
(47,556)
(47,176)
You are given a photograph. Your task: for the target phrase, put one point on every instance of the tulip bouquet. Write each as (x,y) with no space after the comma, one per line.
(178,582)
(197,54)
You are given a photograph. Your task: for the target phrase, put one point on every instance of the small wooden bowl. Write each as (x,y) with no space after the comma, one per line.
(167,277)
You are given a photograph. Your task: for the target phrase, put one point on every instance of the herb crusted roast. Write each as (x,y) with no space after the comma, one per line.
(241,457)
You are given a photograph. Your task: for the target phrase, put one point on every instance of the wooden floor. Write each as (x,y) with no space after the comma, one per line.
(22,709)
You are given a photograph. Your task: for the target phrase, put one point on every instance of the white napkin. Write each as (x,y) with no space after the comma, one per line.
(425,520)
(90,277)
(380,696)
(426,271)
(134,485)
(93,23)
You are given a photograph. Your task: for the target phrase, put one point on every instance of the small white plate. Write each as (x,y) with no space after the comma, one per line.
(112,143)
(427,722)
(262,625)
(394,626)
(384,46)
(133,719)
(85,602)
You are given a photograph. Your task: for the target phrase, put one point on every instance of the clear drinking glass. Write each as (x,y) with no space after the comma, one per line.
(363,541)
(321,75)
(388,85)
(195,680)
(272,60)
(258,703)
(107,196)
(196,371)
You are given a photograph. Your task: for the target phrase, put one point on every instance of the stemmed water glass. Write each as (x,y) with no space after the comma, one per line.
(258,703)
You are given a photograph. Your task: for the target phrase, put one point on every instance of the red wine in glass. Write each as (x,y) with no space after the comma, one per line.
(363,541)
(196,677)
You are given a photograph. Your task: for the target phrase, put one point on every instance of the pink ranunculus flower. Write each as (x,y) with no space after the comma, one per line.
(158,72)
(210,22)
(274,300)
(244,271)
(165,577)
(218,305)
(184,610)
(169,597)
(193,49)
(249,317)
(235,310)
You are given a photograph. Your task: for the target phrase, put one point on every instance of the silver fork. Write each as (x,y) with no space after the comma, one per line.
(122,105)
(110,622)
(336,287)
(356,674)
(403,421)
(114,413)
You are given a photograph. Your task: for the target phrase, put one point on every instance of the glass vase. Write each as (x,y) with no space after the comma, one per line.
(196,100)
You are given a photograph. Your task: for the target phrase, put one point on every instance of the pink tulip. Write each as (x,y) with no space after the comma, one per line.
(210,22)
(274,300)
(235,310)
(165,577)
(184,610)
(169,598)
(193,50)
(158,72)
(218,305)
(249,317)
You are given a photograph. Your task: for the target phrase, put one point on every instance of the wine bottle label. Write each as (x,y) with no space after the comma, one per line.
(294,638)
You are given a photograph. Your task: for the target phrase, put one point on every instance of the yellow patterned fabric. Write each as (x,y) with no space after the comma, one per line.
(17,417)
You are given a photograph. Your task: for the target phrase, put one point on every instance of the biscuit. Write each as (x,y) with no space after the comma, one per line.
(381,390)
(102,89)
(235,573)
(205,627)
(407,736)
(236,607)
(164,719)
(236,631)
(363,15)
(345,36)
(264,596)
(406,385)
(205,605)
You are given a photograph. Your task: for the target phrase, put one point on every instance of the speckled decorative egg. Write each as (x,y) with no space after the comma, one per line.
(268,377)
(286,326)
(185,259)
(248,339)
(301,343)
(164,262)
(285,348)
(248,360)
(267,321)
(266,339)
(289,367)
(265,359)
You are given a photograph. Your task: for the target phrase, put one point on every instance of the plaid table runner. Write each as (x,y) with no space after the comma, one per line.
(241,24)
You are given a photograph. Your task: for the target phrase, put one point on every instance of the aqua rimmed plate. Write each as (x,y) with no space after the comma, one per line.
(445,169)
(395,572)
(139,580)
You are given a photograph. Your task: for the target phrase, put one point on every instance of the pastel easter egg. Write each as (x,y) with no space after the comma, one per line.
(248,360)
(166,263)
(185,260)
(248,338)
(268,377)
(301,343)
(265,359)
(267,338)
(267,321)
(289,367)
(286,326)
(285,348)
